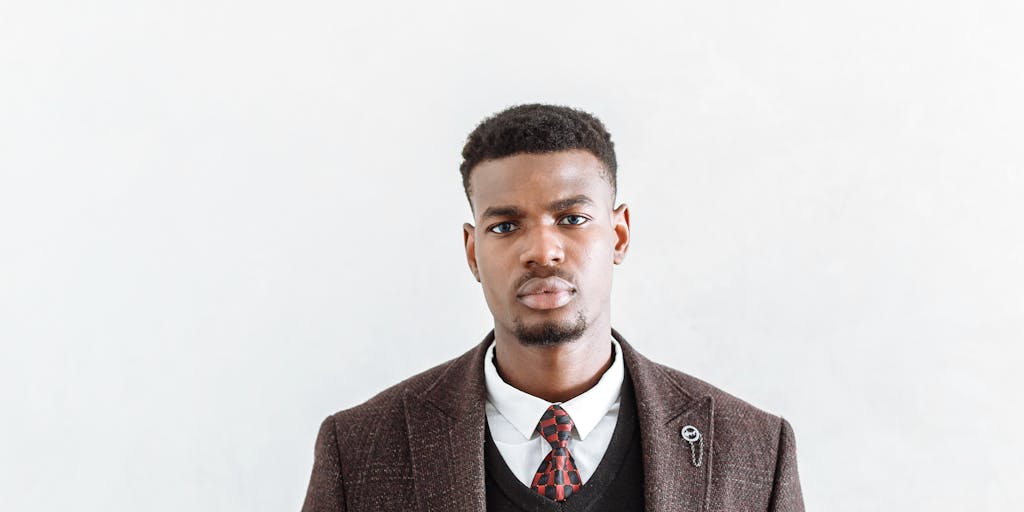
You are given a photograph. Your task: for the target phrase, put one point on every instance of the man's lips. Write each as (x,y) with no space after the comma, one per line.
(547,293)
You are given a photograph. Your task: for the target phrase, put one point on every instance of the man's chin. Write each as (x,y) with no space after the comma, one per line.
(550,333)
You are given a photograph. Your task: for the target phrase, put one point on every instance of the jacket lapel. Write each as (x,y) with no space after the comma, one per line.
(445,426)
(672,479)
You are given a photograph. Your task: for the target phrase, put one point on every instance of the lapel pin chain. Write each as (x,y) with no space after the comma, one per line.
(692,436)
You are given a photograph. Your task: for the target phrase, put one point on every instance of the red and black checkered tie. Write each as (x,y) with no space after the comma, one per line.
(556,477)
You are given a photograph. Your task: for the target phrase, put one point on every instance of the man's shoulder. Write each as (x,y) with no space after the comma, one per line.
(754,451)
(390,403)
(394,396)
(733,416)
(674,385)
(724,401)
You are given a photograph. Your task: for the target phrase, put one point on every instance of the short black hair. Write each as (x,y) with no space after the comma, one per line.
(538,128)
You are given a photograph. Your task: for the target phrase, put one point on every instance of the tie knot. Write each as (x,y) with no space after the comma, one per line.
(556,426)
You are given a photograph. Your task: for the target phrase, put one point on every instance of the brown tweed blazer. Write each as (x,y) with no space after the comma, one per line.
(419,445)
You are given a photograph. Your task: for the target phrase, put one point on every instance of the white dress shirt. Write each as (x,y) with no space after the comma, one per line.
(512,418)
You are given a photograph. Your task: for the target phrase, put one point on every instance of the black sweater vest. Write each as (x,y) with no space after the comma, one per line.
(617,483)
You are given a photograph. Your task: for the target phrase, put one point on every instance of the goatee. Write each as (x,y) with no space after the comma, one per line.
(549,333)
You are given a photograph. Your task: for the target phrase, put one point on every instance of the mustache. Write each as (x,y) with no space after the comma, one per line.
(542,273)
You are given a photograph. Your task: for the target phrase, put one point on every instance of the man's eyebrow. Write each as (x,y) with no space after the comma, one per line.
(557,206)
(501,211)
(569,202)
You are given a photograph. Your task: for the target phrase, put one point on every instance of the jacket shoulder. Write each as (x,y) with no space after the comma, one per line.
(739,426)
(388,403)
(753,449)
(365,445)
(730,412)
(726,404)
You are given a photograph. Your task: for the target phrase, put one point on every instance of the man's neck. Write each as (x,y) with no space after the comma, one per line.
(556,373)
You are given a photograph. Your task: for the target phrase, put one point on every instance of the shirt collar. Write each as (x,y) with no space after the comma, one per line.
(523,410)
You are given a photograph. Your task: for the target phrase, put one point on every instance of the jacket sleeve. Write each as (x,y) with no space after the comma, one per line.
(326,492)
(786,493)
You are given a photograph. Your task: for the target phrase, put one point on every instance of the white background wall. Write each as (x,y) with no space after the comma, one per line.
(222,221)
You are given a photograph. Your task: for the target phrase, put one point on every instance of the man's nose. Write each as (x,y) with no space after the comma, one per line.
(543,247)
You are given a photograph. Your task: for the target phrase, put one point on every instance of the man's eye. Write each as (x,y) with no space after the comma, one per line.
(574,220)
(504,227)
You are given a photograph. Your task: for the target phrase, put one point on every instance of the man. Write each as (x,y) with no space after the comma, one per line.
(553,410)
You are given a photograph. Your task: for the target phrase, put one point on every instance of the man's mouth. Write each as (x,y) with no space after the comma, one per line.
(545,293)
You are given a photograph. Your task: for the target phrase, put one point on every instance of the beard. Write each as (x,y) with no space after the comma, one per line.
(549,333)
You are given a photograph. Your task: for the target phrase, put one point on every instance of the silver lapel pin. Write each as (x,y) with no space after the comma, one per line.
(692,435)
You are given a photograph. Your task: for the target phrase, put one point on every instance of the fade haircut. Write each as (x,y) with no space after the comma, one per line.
(537,128)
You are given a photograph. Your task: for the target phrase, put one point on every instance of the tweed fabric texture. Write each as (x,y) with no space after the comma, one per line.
(557,477)
(395,451)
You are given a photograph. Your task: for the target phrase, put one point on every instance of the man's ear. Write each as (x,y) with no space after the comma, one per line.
(620,223)
(469,239)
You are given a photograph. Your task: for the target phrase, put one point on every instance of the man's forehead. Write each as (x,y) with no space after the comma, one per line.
(537,180)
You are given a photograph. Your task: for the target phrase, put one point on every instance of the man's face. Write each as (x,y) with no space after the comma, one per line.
(545,240)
